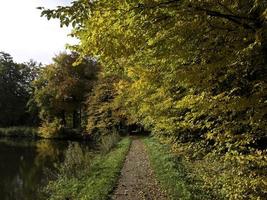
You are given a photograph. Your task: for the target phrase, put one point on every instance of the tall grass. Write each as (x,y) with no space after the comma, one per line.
(77,162)
(107,142)
(86,176)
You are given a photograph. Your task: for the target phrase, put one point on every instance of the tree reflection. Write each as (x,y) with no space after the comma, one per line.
(22,166)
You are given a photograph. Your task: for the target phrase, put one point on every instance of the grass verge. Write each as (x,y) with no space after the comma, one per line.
(173,174)
(19,131)
(34,133)
(96,182)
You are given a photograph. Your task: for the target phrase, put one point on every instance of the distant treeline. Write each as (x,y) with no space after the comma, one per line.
(16,91)
(67,97)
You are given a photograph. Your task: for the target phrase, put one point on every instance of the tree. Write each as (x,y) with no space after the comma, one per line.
(104,116)
(15,90)
(61,88)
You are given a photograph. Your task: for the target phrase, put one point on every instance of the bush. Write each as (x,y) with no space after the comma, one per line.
(233,176)
(50,129)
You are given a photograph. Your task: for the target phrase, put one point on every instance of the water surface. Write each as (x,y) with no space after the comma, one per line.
(26,166)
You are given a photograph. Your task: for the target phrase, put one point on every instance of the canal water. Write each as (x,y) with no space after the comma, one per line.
(27,165)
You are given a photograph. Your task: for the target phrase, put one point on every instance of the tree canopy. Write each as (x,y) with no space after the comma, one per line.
(61,89)
(16,90)
(192,72)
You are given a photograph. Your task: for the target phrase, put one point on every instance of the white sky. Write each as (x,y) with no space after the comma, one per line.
(25,35)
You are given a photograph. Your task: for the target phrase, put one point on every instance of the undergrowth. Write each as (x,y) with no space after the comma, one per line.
(174,174)
(86,176)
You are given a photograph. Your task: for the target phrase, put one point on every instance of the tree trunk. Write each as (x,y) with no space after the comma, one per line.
(74,119)
(80,116)
(63,117)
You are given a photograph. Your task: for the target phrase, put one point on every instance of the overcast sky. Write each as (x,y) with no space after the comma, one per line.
(25,35)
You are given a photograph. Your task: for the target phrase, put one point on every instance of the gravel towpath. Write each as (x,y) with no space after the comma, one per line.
(137,180)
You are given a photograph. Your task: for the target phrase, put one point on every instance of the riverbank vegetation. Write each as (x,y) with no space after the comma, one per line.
(87,176)
(19,132)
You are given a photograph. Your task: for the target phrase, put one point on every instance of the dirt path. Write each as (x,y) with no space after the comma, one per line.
(137,181)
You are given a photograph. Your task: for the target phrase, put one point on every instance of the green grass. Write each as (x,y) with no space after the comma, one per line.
(19,131)
(173,173)
(96,181)
(32,132)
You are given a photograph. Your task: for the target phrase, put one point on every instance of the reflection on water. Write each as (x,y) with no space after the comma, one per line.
(23,164)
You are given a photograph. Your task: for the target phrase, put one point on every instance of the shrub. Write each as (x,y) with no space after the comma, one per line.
(50,129)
